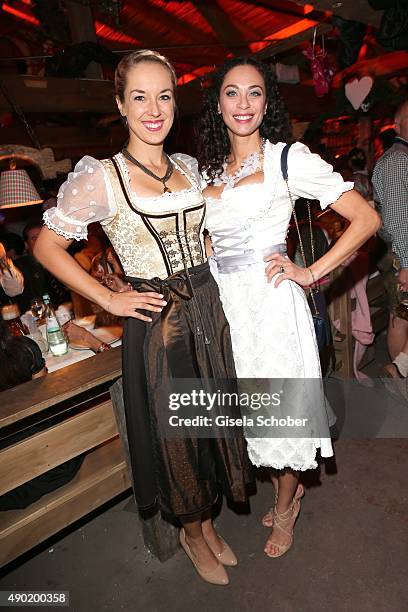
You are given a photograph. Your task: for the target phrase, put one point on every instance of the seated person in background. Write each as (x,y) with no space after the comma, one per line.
(37,280)
(80,336)
(80,305)
(20,359)
(99,259)
(108,271)
(96,242)
(11,279)
(93,247)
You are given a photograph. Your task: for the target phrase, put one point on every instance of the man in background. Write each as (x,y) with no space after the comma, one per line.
(390,181)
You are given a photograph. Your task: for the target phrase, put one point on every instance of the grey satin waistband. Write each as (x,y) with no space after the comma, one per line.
(232,263)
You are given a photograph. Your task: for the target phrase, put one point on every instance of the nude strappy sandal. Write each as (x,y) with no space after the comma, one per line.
(279,522)
(267,519)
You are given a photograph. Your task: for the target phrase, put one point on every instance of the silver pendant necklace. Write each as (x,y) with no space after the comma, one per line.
(162,179)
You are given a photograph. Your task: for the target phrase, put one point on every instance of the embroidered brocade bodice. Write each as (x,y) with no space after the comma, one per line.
(154,236)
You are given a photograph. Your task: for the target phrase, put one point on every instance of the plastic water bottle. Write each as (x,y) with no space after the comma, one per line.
(57,342)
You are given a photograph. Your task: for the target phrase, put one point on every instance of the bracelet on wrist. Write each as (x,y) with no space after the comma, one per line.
(312,275)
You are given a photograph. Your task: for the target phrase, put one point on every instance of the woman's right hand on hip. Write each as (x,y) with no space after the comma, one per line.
(128,303)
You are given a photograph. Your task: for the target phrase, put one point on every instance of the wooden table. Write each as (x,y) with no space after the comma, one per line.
(55,363)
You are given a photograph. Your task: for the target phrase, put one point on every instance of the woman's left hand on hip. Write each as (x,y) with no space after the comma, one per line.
(285,269)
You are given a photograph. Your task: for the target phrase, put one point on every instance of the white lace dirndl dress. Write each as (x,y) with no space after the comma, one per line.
(271,328)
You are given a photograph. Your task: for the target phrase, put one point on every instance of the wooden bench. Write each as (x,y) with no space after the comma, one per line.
(74,407)
(79,409)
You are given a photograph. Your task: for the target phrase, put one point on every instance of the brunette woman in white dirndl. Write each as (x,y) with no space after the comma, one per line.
(248,213)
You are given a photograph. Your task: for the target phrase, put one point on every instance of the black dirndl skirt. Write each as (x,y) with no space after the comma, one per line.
(168,473)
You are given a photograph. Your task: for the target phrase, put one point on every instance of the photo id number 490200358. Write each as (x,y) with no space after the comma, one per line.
(34,598)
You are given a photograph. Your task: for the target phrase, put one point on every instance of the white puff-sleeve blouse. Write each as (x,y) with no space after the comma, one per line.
(311,177)
(84,198)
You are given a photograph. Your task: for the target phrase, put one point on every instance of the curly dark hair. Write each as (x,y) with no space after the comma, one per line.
(214,144)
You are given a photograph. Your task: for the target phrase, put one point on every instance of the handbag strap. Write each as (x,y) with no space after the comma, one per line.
(284,161)
(284,170)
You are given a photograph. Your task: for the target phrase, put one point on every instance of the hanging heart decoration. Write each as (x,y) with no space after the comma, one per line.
(357,91)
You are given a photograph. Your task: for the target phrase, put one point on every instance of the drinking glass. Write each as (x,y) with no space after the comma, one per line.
(37,308)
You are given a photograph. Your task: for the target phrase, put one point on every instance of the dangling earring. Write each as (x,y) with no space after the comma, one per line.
(125,121)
